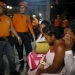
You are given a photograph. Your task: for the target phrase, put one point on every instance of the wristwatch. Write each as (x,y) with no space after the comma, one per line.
(43,63)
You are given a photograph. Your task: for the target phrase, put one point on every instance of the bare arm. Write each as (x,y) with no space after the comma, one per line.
(58,61)
(35,48)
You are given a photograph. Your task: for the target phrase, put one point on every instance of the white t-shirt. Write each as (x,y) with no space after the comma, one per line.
(40,39)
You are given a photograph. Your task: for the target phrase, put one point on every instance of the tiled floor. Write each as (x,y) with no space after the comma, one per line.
(16,61)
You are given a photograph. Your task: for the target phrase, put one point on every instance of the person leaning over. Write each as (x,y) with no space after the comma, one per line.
(22,24)
(53,62)
(5,27)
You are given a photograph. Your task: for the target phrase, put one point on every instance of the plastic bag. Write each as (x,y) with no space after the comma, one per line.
(33,59)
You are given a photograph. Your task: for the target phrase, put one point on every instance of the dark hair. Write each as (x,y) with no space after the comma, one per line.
(71,25)
(50,30)
(45,22)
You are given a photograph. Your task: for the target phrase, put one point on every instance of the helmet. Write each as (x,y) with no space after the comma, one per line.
(57,15)
(23,4)
(33,15)
(2,4)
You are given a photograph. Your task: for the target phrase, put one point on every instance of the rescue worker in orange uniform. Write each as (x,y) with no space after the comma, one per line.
(22,24)
(35,24)
(57,21)
(65,22)
(5,27)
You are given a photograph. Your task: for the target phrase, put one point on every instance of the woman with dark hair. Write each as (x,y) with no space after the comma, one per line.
(69,38)
(45,21)
(39,49)
(53,62)
(42,25)
(41,37)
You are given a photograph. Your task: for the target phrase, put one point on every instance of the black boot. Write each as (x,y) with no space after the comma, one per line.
(27,68)
(21,66)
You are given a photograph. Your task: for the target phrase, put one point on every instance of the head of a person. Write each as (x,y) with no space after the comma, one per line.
(34,16)
(43,24)
(70,29)
(51,34)
(22,7)
(2,7)
(58,16)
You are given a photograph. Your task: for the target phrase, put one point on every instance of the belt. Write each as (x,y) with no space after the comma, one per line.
(22,32)
(4,38)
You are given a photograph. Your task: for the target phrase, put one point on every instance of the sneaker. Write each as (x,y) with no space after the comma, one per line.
(14,73)
(21,68)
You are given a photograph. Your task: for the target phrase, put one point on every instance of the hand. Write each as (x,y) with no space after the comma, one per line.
(32,24)
(68,42)
(39,71)
(74,53)
(34,37)
(19,40)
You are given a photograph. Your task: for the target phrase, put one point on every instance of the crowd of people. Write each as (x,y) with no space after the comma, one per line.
(61,21)
(58,60)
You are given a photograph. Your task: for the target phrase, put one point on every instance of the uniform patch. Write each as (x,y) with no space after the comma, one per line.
(7,22)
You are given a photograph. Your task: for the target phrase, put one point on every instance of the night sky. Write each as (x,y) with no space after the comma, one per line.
(63,9)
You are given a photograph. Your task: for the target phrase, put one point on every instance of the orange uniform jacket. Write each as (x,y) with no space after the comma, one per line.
(5,25)
(57,22)
(65,22)
(22,23)
(35,23)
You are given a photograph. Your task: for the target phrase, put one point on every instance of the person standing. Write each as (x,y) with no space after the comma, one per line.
(35,24)
(5,27)
(65,22)
(22,24)
(57,21)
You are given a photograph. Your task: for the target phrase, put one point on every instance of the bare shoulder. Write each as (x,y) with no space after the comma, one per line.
(61,47)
